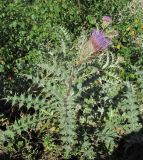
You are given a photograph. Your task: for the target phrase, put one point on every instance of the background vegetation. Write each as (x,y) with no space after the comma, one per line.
(53,108)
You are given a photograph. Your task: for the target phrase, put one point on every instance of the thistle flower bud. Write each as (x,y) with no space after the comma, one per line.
(99,41)
(96,43)
(107,19)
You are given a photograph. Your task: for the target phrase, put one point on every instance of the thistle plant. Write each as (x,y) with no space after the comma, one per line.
(86,105)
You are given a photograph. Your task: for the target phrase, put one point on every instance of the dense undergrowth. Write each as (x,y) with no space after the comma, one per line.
(59,100)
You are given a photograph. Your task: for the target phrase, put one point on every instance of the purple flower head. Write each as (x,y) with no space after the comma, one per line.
(99,40)
(107,19)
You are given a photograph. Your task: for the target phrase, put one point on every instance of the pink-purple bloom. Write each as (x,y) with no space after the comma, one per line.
(107,19)
(99,40)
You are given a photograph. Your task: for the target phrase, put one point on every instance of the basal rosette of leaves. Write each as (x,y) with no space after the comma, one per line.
(82,108)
